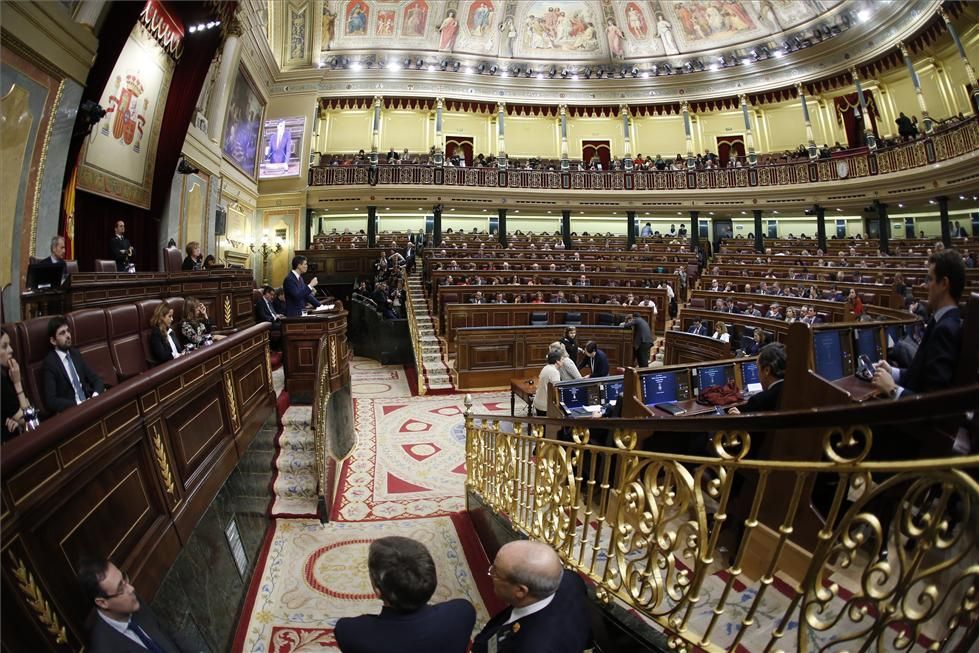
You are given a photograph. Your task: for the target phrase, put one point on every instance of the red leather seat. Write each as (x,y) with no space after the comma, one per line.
(177,304)
(125,340)
(172,259)
(90,334)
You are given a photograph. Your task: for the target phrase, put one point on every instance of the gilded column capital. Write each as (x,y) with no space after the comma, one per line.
(562,109)
(902,46)
(855,73)
(500,107)
(743,98)
(941,12)
(684,106)
(440,103)
(234,27)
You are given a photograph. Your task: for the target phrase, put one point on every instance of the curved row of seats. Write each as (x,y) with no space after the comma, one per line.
(113,341)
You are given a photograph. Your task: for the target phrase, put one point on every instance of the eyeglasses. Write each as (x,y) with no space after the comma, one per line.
(491,572)
(123,584)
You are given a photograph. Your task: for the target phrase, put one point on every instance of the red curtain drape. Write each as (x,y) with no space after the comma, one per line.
(853,127)
(464,145)
(729,147)
(96,215)
(601,149)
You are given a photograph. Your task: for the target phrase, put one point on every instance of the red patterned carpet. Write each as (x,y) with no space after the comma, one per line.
(410,457)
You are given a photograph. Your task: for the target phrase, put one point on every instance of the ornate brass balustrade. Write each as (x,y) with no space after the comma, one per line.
(957,140)
(716,550)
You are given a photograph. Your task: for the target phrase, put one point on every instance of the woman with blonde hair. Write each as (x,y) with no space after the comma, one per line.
(566,366)
(720,333)
(164,345)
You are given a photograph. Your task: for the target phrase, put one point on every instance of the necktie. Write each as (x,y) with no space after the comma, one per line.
(75,381)
(144,638)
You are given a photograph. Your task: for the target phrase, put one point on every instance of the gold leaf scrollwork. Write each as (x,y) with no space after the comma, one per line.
(227,311)
(732,445)
(229,385)
(160,453)
(268,366)
(35,599)
(847,445)
(333,355)
(625,439)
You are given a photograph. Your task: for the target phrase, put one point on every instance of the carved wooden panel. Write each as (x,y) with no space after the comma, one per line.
(195,428)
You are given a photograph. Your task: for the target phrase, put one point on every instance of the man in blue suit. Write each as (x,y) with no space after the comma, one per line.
(599,360)
(402,574)
(933,366)
(298,292)
(697,328)
(548,606)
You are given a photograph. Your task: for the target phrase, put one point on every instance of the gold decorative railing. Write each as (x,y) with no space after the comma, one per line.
(416,343)
(721,551)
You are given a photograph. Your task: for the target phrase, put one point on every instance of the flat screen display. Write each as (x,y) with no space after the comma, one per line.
(576,396)
(282,145)
(611,391)
(867,343)
(749,377)
(714,375)
(659,388)
(828,354)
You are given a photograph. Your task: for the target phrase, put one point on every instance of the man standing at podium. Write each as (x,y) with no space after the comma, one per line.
(298,292)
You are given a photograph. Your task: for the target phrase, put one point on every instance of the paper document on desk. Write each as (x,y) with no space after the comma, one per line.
(324,307)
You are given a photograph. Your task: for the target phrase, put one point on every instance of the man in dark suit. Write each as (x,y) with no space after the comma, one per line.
(548,610)
(124,623)
(68,381)
(933,366)
(264,312)
(120,250)
(298,292)
(771,372)
(642,338)
(403,576)
(599,360)
(697,328)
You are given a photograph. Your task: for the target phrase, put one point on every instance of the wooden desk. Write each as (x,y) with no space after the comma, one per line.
(300,344)
(525,389)
(690,407)
(858,389)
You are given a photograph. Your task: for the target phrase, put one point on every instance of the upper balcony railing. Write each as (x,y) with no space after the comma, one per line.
(962,138)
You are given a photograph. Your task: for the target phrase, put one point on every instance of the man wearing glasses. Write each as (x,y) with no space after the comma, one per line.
(124,624)
(548,606)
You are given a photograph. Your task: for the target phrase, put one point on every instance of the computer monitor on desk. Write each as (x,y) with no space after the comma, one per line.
(750,381)
(664,387)
(867,343)
(708,377)
(45,276)
(575,399)
(832,354)
(611,390)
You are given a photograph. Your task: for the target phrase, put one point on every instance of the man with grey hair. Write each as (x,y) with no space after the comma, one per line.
(548,606)
(57,251)
(566,366)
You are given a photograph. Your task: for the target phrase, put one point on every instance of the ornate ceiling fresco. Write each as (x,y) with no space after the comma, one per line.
(578,30)
(690,48)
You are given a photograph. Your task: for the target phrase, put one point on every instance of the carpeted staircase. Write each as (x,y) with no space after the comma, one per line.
(435,373)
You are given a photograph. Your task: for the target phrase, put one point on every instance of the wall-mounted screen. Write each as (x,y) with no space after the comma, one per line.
(282,145)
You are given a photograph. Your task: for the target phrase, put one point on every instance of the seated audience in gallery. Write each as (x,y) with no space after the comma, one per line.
(68,381)
(164,342)
(194,259)
(196,329)
(14,406)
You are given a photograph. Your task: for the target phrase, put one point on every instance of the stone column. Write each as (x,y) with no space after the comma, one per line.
(946,223)
(759,235)
(437,225)
(694,230)
(820,226)
(439,136)
(867,131)
(688,134)
(630,217)
(372,226)
(89,11)
(749,134)
(230,56)
(929,126)
(883,226)
(502,232)
(626,127)
(813,152)
(376,128)
(566,228)
(970,74)
(565,162)
(501,159)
